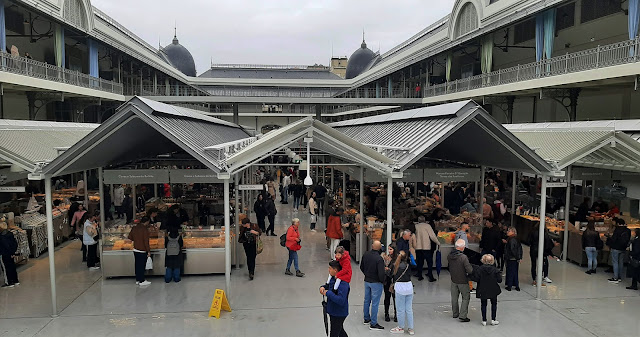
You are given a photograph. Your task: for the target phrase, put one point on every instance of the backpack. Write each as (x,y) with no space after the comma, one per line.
(173,247)
(283,240)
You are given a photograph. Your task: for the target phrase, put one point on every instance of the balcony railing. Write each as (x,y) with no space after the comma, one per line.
(383,92)
(36,69)
(624,52)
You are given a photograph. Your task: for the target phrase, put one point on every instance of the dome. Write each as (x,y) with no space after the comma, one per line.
(179,57)
(359,61)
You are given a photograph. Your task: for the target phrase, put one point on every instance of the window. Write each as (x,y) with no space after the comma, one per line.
(524,31)
(467,20)
(565,16)
(74,13)
(594,9)
(492,1)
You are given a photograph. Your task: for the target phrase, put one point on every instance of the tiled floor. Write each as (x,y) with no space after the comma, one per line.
(575,304)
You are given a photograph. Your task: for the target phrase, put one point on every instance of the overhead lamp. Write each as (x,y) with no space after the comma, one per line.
(297,159)
(308,181)
(292,154)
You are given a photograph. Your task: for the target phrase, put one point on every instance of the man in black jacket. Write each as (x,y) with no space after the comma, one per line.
(618,242)
(270,208)
(372,266)
(533,253)
(635,259)
(512,257)
(491,239)
(8,248)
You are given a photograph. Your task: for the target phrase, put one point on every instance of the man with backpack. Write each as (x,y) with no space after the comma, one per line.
(618,242)
(291,240)
(173,260)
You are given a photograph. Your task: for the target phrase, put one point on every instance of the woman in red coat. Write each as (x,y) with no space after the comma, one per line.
(334,231)
(293,246)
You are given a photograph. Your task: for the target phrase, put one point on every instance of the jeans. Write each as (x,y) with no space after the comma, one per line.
(405,309)
(337,327)
(372,294)
(457,290)
(293,257)
(494,308)
(140,263)
(617,259)
(250,250)
(285,194)
(425,255)
(332,248)
(592,257)
(511,279)
(534,265)
(171,273)
(296,202)
(92,255)
(388,296)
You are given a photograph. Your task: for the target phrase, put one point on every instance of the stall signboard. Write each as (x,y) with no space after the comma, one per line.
(412,176)
(254,187)
(452,174)
(625,176)
(202,176)
(352,171)
(12,189)
(556,184)
(372,176)
(582,173)
(136,176)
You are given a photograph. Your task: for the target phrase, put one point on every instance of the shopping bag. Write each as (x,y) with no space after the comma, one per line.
(259,246)
(149,265)
(412,260)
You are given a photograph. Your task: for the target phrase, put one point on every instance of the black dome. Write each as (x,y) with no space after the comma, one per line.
(180,57)
(359,61)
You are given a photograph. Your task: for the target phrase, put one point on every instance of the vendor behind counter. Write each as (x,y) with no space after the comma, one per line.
(175,219)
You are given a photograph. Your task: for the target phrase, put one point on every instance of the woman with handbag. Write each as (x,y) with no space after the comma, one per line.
(139,234)
(249,237)
(591,243)
(389,258)
(634,259)
(403,288)
(89,235)
(313,210)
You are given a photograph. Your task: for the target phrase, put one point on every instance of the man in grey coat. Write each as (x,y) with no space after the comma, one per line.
(459,268)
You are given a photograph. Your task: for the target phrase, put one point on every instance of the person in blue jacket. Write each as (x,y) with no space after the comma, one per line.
(337,301)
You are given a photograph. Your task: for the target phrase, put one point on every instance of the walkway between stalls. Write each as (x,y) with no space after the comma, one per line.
(277,305)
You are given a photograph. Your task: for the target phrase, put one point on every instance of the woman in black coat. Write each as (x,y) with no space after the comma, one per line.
(261,212)
(488,277)
(635,258)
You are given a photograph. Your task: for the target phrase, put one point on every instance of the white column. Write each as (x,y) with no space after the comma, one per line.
(51,243)
(442,195)
(362,234)
(513,196)
(134,201)
(237,217)
(227,239)
(543,206)
(481,201)
(155,190)
(593,191)
(102,211)
(332,179)
(389,210)
(567,208)
(86,192)
(344,188)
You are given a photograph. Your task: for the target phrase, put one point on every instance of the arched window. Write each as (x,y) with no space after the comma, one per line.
(74,13)
(467,20)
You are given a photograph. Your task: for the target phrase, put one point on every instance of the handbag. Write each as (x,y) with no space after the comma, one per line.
(634,263)
(149,264)
(391,288)
(259,246)
(313,218)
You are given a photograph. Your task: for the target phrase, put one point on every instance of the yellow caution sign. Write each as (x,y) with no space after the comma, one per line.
(219,302)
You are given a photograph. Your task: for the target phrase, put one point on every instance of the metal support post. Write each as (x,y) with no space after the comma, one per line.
(567,208)
(481,201)
(513,196)
(51,243)
(102,209)
(344,189)
(227,239)
(332,179)
(361,243)
(541,228)
(389,210)
(134,202)
(237,217)
(86,191)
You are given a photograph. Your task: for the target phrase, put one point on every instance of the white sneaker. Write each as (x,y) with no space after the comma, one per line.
(548,280)
(313,230)
(494,322)
(94,268)
(137,283)
(411,332)
(145,283)
(484,323)
(397,330)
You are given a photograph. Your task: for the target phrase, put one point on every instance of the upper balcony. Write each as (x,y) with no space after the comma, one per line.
(29,73)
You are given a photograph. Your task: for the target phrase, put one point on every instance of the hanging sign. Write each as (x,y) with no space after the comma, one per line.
(136,176)
(257,187)
(622,176)
(557,184)
(412,176)
(581,173)
(451,174)
(12,189)
(372,176)
(193,176)
(352,171)
(219,302)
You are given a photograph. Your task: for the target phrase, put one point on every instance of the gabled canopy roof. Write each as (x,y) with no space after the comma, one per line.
(461,132)
(325,139)
(27,143)
(143,128)
(596,146)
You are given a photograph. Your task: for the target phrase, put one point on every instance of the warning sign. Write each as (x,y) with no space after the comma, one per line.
(219,302)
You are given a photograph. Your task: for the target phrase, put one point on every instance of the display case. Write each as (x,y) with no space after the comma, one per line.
(204,251)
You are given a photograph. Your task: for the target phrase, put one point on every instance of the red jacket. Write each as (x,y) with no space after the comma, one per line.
(334,227)
(345,273)
(292,235)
